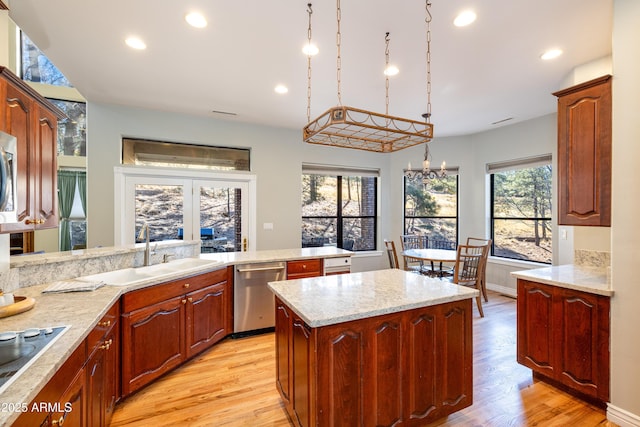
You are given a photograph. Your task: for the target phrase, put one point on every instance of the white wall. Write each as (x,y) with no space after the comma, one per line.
(471,153)
(276,159)
(625,232)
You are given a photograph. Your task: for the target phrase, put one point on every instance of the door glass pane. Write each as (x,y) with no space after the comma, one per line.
(161,206)
(220,219)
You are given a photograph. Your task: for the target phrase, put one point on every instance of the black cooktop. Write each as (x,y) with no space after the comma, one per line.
(19,349)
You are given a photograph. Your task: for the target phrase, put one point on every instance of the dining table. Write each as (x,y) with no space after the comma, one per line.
(433,257)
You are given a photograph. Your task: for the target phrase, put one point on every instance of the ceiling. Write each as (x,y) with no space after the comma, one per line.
(481,74)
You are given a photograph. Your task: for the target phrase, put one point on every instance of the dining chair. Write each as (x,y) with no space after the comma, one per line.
(391,253)
(468,268)
(478,241)
(414,241)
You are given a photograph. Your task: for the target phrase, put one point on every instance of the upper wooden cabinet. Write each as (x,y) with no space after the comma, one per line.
(584,153)
(34,122)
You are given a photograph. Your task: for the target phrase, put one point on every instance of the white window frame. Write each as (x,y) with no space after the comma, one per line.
(126,177)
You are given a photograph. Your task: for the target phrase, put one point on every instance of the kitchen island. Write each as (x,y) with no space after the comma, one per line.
(384,347)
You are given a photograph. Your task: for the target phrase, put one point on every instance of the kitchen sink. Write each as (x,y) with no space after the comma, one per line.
(147,274)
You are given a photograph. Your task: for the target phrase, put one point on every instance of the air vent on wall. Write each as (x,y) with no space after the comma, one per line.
(502,121)
(226,113)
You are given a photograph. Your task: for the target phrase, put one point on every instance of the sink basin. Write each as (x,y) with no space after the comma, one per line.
(185,264)
(139,275)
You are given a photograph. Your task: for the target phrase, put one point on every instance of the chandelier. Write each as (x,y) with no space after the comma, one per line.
(349,127)
(426,173)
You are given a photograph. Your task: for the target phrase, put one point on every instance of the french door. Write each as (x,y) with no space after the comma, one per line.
(218,209)
(222,215)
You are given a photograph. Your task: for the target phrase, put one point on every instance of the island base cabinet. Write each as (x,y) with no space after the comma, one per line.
(401,369)
(563,335)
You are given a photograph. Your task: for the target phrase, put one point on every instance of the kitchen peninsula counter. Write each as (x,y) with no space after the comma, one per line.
(564,326)
(83,310)
(373,348)
(593,280)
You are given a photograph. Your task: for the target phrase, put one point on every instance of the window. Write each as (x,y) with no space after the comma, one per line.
(72,131)
(143,152)
(217,209)
(339,208)
(521,209)
(36,67)
(431,209)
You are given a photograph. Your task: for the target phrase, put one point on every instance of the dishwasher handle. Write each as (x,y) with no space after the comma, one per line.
(250,269)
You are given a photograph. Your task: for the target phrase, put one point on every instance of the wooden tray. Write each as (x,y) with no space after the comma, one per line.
(20,305)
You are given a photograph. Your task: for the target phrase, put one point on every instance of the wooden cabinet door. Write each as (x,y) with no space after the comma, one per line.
(44,169)
(583,330)
(73,404)
(112,373)
(584,153)
(422,365)
(18,110)
(454,345)
(302,381)
(152,342)
(536,341)
(102,373)
(284,324)
(96,379)
(207,317)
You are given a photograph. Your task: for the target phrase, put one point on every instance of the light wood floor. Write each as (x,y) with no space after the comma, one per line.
(233,384)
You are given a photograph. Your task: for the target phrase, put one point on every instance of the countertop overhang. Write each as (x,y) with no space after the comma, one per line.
(327,300)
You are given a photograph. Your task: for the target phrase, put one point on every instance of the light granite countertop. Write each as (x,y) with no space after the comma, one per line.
(82,310)
(335,299)
(276,255)
(594,280)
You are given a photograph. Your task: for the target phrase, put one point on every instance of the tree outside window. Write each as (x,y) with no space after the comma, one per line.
(521,214)
(36,67)
(339,211)
(431,209)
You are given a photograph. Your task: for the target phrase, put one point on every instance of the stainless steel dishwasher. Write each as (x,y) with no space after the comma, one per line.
(253,305)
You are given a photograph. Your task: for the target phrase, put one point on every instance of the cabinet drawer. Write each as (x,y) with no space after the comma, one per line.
(306,267)
(161,292)
(103,327)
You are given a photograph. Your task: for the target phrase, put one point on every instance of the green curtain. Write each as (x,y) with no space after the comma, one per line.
(66,192)
(82,189)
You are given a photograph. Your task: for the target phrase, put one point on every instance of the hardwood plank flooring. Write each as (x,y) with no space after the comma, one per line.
(233,384)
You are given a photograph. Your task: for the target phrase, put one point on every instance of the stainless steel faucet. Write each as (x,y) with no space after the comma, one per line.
(144,233)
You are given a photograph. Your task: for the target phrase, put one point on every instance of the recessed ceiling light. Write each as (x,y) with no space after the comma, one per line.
(135,43)
(196,19)
(310,49)
(551,54)
(391,70)
(281,89)
(464,18)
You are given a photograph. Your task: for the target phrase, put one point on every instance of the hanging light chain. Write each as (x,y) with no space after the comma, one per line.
(339,58)
(386,68)
(428,21)
(309,11)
